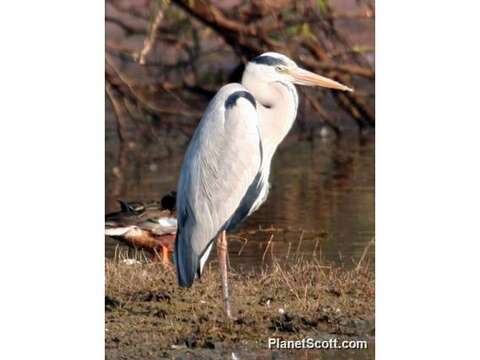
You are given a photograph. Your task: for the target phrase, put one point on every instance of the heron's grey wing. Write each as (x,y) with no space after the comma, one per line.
(255,196)
(221,164)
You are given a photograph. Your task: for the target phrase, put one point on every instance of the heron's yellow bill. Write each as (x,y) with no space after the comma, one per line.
(308,78)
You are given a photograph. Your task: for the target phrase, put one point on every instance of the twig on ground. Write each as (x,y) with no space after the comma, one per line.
(299,244)
(364,253)
(266,248)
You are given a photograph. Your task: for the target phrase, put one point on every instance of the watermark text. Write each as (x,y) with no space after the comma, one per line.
(309,343)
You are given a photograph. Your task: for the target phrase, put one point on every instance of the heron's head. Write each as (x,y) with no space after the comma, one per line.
(272,66)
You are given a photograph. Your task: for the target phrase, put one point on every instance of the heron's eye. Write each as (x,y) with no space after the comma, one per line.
(280,69)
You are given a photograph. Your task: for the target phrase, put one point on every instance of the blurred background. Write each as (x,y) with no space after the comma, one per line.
(166,59)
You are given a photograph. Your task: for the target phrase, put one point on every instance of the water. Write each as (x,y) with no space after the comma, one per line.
(321,203)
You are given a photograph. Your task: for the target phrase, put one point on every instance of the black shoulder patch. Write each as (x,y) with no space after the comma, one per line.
(268,60)
(232,99)
(246,204)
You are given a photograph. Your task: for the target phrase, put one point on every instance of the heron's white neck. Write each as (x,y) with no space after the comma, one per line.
(277,111)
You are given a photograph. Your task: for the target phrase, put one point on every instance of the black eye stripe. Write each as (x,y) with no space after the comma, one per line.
(268,60)
(232,99)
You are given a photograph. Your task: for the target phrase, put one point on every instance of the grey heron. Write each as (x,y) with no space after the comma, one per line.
(225,173)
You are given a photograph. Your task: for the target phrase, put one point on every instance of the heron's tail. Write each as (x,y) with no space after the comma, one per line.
(186,261)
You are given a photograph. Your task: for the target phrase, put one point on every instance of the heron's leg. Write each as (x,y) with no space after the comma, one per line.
(222,250)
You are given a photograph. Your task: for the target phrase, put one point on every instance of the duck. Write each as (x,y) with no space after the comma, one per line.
(150,226)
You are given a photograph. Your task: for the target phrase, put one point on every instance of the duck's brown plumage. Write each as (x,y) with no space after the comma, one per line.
(149,226)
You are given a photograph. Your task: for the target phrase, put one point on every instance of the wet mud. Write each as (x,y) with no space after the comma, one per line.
(148,316)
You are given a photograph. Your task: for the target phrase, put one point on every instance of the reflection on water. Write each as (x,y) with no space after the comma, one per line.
(322,193)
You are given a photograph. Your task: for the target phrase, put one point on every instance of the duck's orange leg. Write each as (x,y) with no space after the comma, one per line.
(165,256)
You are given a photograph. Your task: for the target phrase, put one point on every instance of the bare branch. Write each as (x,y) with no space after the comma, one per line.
(152,36)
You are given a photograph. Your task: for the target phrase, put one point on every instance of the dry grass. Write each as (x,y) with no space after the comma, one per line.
(147,313)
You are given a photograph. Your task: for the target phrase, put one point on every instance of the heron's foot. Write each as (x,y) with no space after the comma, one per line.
(229,316)
(228,311)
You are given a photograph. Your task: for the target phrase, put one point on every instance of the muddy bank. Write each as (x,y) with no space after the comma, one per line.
(148,316)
